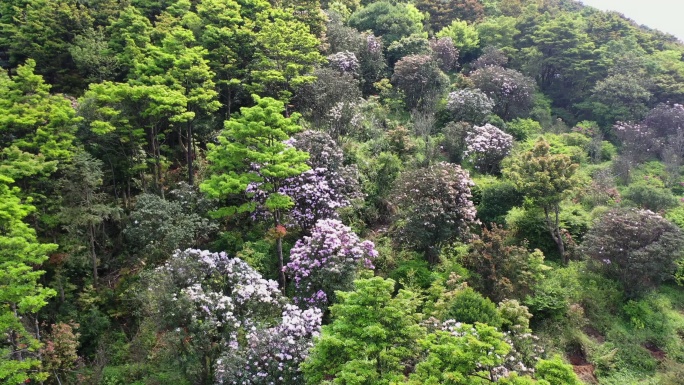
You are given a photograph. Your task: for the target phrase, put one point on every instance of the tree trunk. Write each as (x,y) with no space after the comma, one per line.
(554,230)
(191,178)
(279,249)
(93,256)
(14,338)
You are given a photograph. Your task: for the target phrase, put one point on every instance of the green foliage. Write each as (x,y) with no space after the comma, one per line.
(522,129)
(464,36)
(460,357)
(443,12)
(391,21)
(371,337)
(469,306)
(496,199)
(414,273)
(556,372)
(35,126)
(84,207)
(649,197)
(285,56)
(255,138)
(502,269)
(21,295)
(157,227)
(546,179)
(499,32)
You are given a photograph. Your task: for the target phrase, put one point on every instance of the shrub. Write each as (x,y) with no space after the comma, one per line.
(469,306)
(636,247)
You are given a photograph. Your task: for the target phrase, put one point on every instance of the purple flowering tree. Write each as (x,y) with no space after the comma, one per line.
(434,207)
(318,193)
(638,248)
(271,355)
(486,146)
(327,187)
(345,62)
(512,92)
(469,105)
(327,261)
(205,303)
(446,54)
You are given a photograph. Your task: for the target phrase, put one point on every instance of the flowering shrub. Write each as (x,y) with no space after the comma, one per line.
(327,261)
(469,105)
(638,248)
(420,79)
(512,92)
(446,54)
(486,147)
(271,355)
(319,192)
(435,207)
(345,62)
(209,300)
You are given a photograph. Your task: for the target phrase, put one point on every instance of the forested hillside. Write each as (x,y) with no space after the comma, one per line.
(351,192)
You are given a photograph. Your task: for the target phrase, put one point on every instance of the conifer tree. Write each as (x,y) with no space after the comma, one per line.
(251,156)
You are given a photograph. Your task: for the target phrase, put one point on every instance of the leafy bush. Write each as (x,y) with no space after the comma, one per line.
(469,306)
(502,269)
(496,200)
(523,129)
(651,198)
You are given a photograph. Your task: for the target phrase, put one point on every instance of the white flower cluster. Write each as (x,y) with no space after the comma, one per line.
(486,146)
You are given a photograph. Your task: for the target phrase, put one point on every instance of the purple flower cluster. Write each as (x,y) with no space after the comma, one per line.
(345,62)
(486,146)
(446,54)
(373,45)
(271,355)
(319,192)
(327,261)
(316,195)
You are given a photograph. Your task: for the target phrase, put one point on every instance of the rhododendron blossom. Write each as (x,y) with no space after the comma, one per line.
(486,147)
(327,261)
(240,320)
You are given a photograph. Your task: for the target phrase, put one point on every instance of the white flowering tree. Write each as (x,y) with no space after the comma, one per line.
(486,147)
(228,323)
(469,105)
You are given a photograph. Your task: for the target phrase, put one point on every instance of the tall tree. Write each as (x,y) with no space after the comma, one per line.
(250,155)
(567,61)
(285,55)
(391,21)
(181,66)
(546,179)
(20,293)
(84,207)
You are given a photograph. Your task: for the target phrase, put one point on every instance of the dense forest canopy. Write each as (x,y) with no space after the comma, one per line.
(339,192)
